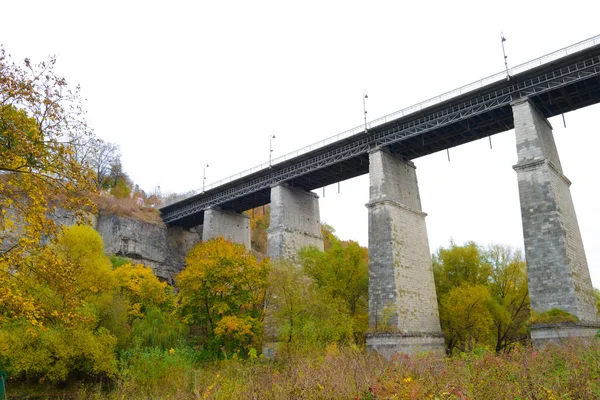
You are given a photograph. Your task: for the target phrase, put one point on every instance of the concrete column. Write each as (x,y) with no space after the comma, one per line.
(229,224)
(403,311)
(557,269)
(295,222)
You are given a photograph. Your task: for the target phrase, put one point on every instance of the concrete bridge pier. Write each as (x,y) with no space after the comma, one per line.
(229,224)
(295,222)
(403,310)
(557,269)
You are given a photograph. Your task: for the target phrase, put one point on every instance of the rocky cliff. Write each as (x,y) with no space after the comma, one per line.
(161,248)
(153,244)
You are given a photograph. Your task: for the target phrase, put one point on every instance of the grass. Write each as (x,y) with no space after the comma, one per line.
(570,371)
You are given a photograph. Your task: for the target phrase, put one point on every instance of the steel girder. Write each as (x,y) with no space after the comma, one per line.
(486,102)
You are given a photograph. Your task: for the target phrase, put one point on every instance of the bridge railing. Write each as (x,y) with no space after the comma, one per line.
(548,58)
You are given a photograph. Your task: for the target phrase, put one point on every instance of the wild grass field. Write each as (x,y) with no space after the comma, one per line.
(569,371)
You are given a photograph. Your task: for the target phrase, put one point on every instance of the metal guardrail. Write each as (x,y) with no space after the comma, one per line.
(548,58)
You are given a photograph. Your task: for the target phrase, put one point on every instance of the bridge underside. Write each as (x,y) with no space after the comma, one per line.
(555,89)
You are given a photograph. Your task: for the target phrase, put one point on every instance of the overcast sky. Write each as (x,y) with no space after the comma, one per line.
(180,82)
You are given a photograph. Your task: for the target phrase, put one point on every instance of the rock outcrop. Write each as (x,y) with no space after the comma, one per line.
(153,244)
(162,249)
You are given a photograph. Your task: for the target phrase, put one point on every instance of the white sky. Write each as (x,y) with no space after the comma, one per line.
(176,83)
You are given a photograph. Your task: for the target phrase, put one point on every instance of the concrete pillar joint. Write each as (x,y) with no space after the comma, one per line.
(378,202)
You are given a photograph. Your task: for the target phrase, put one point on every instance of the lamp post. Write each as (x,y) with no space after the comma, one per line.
(365,96)
(271,137)
(204,166)
(502,40)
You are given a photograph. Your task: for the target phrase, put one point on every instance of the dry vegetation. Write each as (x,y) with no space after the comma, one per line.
(127,207)
(571,371)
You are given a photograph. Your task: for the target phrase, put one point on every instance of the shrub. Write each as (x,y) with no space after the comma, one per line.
(553,316)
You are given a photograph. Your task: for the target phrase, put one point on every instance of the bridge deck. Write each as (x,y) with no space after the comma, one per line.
(563,84)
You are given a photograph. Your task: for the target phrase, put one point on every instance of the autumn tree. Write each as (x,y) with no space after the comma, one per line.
(482,296)
(510,295)
(303,314)
(465,316)
(259,223)
(55,329)
(222,293)
(342,271)
(40,117)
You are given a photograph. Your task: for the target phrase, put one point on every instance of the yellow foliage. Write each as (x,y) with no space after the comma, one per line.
(222,290)
(40,118)
(139,284)
(466,316)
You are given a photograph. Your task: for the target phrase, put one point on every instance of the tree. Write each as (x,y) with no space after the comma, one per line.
(510,294)
(498,269)
(342,271)
(51,326)
(222,294)
(259,223)
(465,316)
(104,157)
(302,313)
(142,288)
(40,116)
(458,265)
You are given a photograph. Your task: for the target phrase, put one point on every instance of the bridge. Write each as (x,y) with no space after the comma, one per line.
(557,83)
(522,98)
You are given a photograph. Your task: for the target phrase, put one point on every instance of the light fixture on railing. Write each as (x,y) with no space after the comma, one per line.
(204,166)
(271,137)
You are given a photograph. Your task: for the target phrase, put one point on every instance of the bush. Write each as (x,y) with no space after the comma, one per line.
(154,372)
(553,316)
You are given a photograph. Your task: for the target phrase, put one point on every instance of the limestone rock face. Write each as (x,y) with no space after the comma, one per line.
(162,249)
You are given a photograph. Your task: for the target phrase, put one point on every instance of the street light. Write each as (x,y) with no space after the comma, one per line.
(502,40)
(204,166)
(365,96)
(271,137)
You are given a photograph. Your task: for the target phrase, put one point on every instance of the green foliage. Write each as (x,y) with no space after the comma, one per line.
(118,261)
(222,294)
(597,296)
(304,314)
(465,316)
(53,354)
(553,316)
(458,265)
(156,329)
(121,188)
(498,318)
(341,271)
(155,373)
